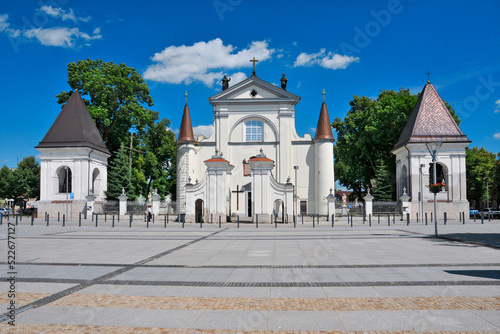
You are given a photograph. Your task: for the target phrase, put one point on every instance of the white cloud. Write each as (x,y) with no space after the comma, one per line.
(497,109)
(204,130)
(62,36)
(3,22)
(203,61)
(497,135)
(328,60)
(64,15)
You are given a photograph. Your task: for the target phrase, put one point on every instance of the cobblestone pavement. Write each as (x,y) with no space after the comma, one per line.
(285,279)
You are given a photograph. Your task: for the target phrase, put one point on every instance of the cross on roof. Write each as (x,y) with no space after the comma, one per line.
(253,61)
(428,76)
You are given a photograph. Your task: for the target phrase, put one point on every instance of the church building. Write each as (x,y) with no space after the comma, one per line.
(254,164)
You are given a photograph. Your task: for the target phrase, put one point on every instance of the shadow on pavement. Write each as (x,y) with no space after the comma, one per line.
(483,239)
(494,274)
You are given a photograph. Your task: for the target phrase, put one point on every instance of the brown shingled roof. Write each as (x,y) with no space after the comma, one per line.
(186,131)
(74,127)
(430,121)
(324,128)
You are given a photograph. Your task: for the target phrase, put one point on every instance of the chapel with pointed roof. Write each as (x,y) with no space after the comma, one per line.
(254,164)
(73,161)
(429,127)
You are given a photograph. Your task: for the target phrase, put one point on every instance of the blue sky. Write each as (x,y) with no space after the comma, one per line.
(345,47)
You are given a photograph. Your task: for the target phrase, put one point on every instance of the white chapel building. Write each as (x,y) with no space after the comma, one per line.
(73,162)
(430,127)
(254,164)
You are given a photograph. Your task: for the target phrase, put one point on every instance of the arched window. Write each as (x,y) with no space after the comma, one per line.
(404,180)
(95,182)
(441,172)
(254,131)
(64,176)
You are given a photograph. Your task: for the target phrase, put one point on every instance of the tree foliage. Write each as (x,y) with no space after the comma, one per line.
(368,134)
(119,177)
(384,187)
(481,167)
(118,99)
(23,181)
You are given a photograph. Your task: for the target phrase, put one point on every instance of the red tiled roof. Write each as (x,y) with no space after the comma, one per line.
(324,128)
(186,131)
(430,121)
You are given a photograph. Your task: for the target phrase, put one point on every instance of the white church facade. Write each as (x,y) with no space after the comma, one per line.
(254,164)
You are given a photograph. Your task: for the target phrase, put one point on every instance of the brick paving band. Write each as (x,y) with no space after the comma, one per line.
(281,304)
(84,329)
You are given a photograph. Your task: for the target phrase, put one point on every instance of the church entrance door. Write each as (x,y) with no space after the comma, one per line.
(279,210)
(198,210)
(249,204)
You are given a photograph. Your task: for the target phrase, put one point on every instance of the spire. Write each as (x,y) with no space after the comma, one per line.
(430,121)
(324,128)
(74,127)
(186,131)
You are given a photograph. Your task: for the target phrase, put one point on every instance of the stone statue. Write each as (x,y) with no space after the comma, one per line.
(283,82)
(344,198)
(225,82)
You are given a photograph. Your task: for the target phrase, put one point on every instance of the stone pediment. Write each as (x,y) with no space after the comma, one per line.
(254,89)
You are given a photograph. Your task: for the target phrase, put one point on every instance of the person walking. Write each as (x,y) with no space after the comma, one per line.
(149,212)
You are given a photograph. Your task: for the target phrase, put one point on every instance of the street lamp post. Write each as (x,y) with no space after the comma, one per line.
(67,189)
(295,191)
(421,197)
(434,152)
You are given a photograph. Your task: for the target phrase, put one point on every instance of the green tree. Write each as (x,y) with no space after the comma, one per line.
(116,96)
(480,169)
(5,173)
(368,134)
(24,181)
(119,177)
(496,182)
(383,189)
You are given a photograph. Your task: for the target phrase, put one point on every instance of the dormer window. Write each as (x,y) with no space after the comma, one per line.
(254,131)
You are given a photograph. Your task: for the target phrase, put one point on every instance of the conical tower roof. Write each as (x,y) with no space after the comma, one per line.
(430,121)
(74,127)
(324,128)
(186,131)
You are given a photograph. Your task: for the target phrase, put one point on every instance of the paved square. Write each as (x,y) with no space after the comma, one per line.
(162,279)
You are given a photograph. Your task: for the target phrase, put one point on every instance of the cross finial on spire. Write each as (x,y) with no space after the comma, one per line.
(324,95)
(428,76)
(253,61)
(186,96)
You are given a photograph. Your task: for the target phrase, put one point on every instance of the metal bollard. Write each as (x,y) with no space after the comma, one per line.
(275,221)
(165,220)
(256,221)
(294,221)
(211,219)
(459,217)
(92,216)
(313,220)
(32,218)
(370,220)
(364,217)
(105,218)
(130,221)
(463,218)
(388,219)
(58,217)
(482,217)
(238,221)
(474,217)
(333,219)
(426,218)
(407,219)
(113,222)
(393,218)
(378,216)
(153,218)
(445,218)
(96,220)
(17,217)
(147,223)
(431,216)
(219,222)
(302,219)
(317,217)
(417,217)
(79,219)
(48,218)
(64,220)
(201,221)
(351,220)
